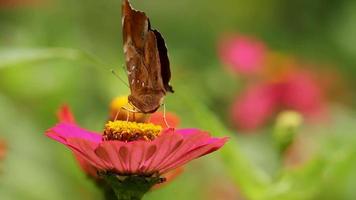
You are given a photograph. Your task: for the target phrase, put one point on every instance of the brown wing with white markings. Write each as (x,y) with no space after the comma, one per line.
(146,60)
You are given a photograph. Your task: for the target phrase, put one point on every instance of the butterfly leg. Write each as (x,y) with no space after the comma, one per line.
(117,114)
(164,116)
(128,111)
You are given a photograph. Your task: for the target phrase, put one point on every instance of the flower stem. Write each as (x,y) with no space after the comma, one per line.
(132,187)
(109,193)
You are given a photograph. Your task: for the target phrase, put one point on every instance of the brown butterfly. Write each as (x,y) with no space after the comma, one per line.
(146,59)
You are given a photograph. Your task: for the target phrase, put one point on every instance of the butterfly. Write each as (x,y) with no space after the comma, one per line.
(147,62)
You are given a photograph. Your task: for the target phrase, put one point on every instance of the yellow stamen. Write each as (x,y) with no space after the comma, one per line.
(130,131)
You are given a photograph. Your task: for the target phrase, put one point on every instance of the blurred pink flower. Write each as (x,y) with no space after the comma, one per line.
(301,92)
(170,150)
(253,107)
(242,54)
(297,90)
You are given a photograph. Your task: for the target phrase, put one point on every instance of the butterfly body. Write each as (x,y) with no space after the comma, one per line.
(146,60)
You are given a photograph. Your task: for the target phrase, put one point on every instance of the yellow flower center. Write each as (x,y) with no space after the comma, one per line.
(130,131)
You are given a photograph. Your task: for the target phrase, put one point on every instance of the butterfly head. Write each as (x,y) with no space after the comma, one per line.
(147,103)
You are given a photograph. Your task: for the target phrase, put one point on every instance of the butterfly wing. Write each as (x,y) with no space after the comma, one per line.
(146,60)
(163,57)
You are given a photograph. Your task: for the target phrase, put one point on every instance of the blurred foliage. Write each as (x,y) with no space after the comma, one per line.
(62,51)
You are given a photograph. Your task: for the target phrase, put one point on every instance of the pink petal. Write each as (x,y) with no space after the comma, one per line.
(117,153)
(192,139)
(166,144)
(139,157)
(63,131)
(109,152)
(196,144)
(127,158)
(64,114)
(89,169)
(214,145)
(86,149)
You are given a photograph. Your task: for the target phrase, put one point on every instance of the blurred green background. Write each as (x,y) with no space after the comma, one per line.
(61,51)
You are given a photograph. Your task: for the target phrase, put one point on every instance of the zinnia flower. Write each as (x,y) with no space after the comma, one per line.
(136,151)
(65,115)
(128,148)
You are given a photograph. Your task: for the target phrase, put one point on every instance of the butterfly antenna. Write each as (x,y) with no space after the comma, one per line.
(117,76)
(124,68)
(97,62)
(164,116)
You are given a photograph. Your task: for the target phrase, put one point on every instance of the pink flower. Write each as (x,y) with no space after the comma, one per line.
(253,107)
(64,114)
(302,93)
(190,144)
(297,91)
(169,150)
(242,54)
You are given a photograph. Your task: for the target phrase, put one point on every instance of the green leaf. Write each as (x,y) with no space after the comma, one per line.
(16,56)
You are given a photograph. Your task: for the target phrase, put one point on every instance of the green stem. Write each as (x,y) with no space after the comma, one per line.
(109,193)
(132,187)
